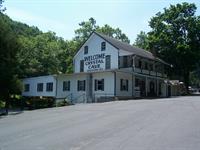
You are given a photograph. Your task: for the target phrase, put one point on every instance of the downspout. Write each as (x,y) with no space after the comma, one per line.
(132,85)
(115,83)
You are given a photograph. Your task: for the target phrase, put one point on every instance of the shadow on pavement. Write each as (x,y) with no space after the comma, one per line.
(10,112)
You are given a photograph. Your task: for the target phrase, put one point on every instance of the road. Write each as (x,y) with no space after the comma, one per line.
(161,124)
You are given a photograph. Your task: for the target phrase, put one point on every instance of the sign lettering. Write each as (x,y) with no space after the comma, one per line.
(94,62)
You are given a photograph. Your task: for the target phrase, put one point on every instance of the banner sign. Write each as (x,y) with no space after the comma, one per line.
(94,62)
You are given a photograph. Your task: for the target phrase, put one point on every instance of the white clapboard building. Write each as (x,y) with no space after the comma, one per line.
(104,69)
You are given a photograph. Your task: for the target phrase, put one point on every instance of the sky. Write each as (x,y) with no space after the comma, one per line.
(63,16)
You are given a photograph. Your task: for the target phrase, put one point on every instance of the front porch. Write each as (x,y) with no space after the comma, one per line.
(146,86)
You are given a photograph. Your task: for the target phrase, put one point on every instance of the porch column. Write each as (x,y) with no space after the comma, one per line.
(134,63)
(146,86)
(157,87)
(133,85)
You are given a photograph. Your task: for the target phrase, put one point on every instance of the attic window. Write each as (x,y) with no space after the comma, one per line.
(103,46)
(86,50)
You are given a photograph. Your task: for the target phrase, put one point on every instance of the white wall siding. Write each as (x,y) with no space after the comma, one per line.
(78,96)
(94,47)
(33,86)
(108,84)
(126,76)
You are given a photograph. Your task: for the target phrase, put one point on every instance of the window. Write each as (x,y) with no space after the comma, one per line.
(81,65)
(81,85)
(99,85)
(146,66)
(124,85)
(125,61)
(140,64)
(103,46)
(151,67)
(137,82)
(107,62)
(40,87)
(86,50)
(66,85)
(26,87)
(49,86)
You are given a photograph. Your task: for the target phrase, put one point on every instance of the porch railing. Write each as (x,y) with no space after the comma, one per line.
(79,99)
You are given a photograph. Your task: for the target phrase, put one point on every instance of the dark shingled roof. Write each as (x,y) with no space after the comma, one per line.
(125,46)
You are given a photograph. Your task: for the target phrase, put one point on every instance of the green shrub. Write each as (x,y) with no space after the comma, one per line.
(62,103)
(37,102)
(2,104)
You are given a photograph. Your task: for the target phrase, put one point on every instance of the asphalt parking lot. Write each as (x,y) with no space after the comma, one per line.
(161,124)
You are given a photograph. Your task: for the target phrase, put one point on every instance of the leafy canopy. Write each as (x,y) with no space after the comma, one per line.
(87,27)
(175,37)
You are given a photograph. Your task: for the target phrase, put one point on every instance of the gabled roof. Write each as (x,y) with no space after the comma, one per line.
(135,50)
(125,46)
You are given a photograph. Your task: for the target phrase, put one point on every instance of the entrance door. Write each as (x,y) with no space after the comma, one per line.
(142,88)
(169,90)
(152,88)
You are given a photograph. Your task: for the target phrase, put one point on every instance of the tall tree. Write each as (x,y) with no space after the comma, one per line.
(87,27)
(41,55)
(113,32)
(142,40)
(8,50)
(175,37)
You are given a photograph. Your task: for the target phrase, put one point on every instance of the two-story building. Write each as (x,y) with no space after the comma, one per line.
(104,69)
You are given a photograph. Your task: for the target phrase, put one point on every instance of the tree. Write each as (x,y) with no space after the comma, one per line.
(42,55)
(87,27)
(2,9)
(112,32)
(175,37)
(142,41)
(8,50)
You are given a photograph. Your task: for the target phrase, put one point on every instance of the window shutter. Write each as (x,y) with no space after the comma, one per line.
(95,84)
(68,85)
(78,85)
(121,84)
(127,85)
(102,84)
(84,85)
(63,85)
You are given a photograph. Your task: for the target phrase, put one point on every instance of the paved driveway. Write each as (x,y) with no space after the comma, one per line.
(163,124)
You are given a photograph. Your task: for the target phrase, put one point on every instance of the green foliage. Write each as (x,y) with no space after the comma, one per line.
(175,38)
(37,103)
(9,48)
(2,9)
(42,54)
(142,40)
(2,104)
(62,103)
(113,32)
(87,27)
(195,77)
